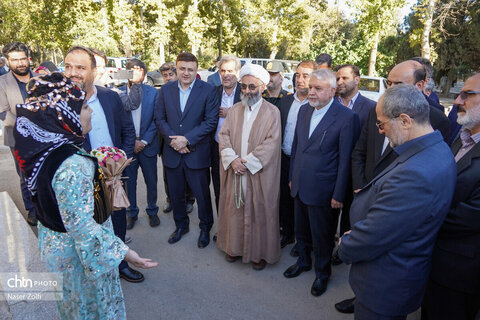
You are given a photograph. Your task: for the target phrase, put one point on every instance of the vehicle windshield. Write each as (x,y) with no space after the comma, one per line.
(372,85)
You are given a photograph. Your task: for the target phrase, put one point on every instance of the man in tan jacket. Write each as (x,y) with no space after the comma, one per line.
(249,144)
(12,92)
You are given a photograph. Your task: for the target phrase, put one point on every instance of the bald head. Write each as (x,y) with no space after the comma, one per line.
(408,72)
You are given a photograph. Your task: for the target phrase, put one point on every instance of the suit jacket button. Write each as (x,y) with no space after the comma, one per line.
(180,126)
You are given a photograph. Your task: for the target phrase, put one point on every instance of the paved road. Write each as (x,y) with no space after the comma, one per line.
(192,283)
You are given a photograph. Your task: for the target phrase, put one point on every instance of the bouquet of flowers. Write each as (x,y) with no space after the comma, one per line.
(112,162)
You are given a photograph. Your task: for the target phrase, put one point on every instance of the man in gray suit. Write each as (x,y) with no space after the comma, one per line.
(12,92)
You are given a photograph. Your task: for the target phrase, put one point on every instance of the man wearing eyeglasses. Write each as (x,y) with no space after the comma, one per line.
(395,218)
(12,92)
(372,153)
(453,290)
(249,144)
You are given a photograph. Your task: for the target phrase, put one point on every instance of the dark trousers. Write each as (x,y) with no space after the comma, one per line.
(442,303)
(199,182)
(363,313)
(27,198)
(149,170)
(119,221)
(215,171)
(315,230)
(345,215)
(287,213)
(190,198)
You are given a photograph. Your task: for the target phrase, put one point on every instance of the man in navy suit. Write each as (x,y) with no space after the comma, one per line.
(186,117)
(289,107)
(319,171)
(228,94)
(111,126)
(453,290)
(140,101)
(395,218)
(348,79)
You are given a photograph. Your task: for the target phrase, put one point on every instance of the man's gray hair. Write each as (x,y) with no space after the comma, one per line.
(325,75)
(406,99)
(228,58)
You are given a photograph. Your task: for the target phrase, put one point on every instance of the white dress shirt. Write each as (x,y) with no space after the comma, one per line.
(291,124)
(317,116)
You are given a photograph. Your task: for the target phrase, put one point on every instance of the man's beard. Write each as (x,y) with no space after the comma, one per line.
(469,118)
(272,86)
(21,72)
(250,101)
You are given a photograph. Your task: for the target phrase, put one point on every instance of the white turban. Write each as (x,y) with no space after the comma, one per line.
(250,69)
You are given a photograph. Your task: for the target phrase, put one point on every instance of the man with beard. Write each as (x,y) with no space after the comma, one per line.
(453,290)
(111,126)
(229,94)
(348,79)
(249,143)
(274,92)
(320,167)
(12,92)
(395,218)
(289,106)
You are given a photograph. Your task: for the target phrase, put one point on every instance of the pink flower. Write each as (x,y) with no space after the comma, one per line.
(116,158)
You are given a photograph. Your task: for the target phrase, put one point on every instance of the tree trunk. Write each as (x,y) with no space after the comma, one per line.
(372,61)
(427,26)
(162,53)
(274,51)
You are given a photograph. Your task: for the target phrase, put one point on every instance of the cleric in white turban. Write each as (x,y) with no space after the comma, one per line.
(257,71)
(249,144)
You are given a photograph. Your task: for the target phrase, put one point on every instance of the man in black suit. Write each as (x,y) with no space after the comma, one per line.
(320,167)
(372,153)
(289,106)
(348,79)
(453,290)
(228,94)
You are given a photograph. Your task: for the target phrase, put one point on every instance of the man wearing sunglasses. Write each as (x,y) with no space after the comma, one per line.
(395,218)
(453,290)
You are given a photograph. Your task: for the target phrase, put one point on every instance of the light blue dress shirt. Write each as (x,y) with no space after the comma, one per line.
(291,124)
(351,103)
(99,135)
(184,94)
(317,116)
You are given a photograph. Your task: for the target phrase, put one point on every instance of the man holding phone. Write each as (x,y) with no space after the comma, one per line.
(140,101)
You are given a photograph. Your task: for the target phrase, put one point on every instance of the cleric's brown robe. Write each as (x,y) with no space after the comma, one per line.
(252,231)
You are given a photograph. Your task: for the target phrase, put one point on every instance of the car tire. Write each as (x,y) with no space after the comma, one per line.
(150,82)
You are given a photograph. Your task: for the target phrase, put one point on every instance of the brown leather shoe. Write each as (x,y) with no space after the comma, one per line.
(231,259)
(260,265)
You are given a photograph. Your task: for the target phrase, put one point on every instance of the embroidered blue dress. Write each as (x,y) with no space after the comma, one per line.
(88,255)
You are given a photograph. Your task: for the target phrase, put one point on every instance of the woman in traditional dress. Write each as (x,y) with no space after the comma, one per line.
(75,230)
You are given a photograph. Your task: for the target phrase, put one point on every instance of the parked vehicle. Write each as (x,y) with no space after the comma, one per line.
(154,78)
(290,66)
(372,87)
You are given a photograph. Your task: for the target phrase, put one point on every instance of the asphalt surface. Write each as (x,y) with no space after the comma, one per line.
(193,283)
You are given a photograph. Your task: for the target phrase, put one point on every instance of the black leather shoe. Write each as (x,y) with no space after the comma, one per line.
(131,275)
(154,220)
(294,251)
(167,207)
(128,239)
(189,207)
(284,241)
(214,238)
(319,287)
(32,219)
(131,222)
(336,259)
(295,270)
(346,306)
(177,235)
(203,239)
